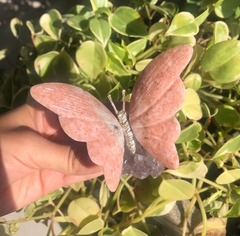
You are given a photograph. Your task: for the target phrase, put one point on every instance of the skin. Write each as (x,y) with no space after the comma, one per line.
(37,157)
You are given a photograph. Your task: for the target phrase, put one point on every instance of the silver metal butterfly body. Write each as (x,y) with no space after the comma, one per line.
(137,161)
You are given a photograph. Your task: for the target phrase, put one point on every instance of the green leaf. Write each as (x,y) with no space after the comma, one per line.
(131,231)
(51,23)
(159,208)
(3,54)
(81,10)
(78,22)
(176,190)
(20,97)
(127,203)
(193,81)
(202,17)
(221,32)
(92,58)
(82,211)
(234,211)
(190,169)
(231,146)
(115,65)
(101,30)
(116,49)
(140,65)
(228,176)
(227,116)
(191,107)
(16,27)
(180,40)
(91,227)
(103,84)
(183,24)
(156,30)
(104,194)
(96,4)
(222,61)
(43,65)
(225,8)
(127,21)
(189,133)
(64,68)
(44,44)
(136,47)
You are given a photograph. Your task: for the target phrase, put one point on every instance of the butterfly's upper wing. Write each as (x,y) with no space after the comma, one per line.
(157,95)
(85,119)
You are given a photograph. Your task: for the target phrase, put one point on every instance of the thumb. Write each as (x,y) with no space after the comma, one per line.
(25,151)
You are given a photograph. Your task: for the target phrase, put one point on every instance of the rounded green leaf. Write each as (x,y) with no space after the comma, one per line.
(78,22)
(116,49)
(131,231)
(101,30)
(65,68)
(191,107)
(43,65)
(180,40)
(51,22)
(234,211)
(227,116)
(115,65)
(222,61)
(44,44)
(82,211)
(193,81)
(96,4)
(127,21)
(136,47)
(189,133)
(228,176)
(190,169)
(231,146)
(176,189)
(92,58)
(221,32)
(183,24)
(160,208)
(157,29)
(225,8)
(140,65)
(92,227)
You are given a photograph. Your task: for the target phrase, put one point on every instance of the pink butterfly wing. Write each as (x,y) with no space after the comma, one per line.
(157,95)
(85,119)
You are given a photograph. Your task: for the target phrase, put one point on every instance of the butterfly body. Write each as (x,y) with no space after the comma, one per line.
(157,95)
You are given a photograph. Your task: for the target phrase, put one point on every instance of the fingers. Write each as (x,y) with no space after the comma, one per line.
(33,152)
(32,187)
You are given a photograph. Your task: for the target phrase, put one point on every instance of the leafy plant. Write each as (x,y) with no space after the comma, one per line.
(102,48)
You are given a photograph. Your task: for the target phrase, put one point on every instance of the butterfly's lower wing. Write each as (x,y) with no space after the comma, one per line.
(157,95)
(85,119)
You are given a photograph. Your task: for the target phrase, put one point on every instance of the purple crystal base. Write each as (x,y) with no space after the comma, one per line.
(141,164)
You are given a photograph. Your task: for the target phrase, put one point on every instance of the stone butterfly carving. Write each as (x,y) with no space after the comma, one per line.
(157,95)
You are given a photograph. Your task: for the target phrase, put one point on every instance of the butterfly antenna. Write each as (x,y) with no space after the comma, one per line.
(123,100)
(113,105)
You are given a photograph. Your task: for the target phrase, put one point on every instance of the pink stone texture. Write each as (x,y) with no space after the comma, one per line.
(157,95)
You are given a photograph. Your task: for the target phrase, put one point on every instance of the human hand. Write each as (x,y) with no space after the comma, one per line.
(37,157)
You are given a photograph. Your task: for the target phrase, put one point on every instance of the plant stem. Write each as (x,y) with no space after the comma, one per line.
(213,184)
(204,217)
